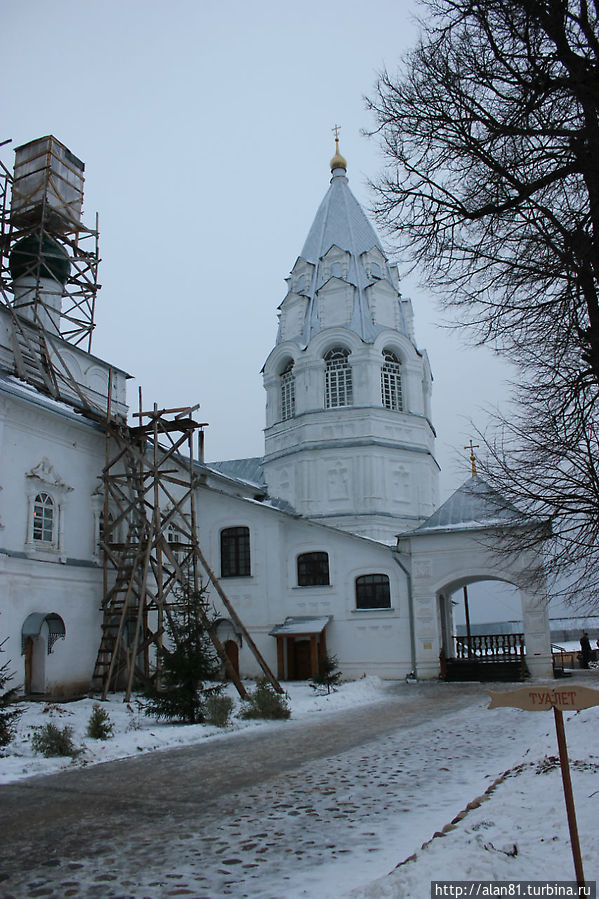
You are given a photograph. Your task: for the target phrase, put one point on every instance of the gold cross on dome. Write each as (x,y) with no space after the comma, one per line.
(336,130)
(472,446)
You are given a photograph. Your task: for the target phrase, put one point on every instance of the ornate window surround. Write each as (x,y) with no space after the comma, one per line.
(43,480)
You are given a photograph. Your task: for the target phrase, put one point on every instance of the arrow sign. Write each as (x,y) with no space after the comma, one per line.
(542,698)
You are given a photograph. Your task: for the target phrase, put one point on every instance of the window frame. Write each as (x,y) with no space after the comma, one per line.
(392,382)
(338,378)
(311,570)
(235,552)
(367,585)
(50,506)
(287,391)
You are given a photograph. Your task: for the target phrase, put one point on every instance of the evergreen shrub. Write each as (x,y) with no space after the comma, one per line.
(51,742)
(265,702)
(9,712)
(218,710)
(99,726)
(329,677)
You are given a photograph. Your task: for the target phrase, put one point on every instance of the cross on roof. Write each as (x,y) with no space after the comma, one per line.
(472,446)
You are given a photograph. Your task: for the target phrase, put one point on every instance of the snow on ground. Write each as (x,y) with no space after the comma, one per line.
(519,830)
(135,733)
(394,798)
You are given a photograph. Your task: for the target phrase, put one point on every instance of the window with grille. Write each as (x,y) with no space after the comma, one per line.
(373,592)
(338,378)
(391,382)
(235,552)
(313,569)
(287,393)
(43,518)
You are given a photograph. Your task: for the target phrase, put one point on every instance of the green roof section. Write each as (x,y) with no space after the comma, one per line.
(31,251)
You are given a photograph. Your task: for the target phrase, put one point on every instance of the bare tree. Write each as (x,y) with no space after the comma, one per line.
(491,139)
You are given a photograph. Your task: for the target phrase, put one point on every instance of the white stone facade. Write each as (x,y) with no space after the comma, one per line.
(349,449)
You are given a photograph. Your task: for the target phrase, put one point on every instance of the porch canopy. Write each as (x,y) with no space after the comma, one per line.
(301,643)
(32,627)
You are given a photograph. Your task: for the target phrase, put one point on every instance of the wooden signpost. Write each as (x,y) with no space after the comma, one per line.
(539,699)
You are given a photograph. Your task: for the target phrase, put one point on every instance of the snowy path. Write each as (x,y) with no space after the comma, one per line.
(296,809)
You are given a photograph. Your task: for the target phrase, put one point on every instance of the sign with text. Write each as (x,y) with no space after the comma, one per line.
(541,698)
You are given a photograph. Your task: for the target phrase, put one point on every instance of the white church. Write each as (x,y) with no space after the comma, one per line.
(332,542)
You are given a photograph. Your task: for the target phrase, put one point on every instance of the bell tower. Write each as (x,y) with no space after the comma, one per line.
(349,439)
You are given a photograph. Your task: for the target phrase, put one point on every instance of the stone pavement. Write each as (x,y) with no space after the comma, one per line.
(292,809)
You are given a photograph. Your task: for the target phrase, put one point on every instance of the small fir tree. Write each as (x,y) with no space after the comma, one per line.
(99,726)
(328,677)
(188,662)
(9,712)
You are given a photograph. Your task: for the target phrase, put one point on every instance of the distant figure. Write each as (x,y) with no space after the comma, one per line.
(585,650)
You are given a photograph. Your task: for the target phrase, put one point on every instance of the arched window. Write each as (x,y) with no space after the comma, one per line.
(44,518)
(373,592)
(235,552)
(174,538)
(391,382)
(287,392)
(313,569)
(338,378)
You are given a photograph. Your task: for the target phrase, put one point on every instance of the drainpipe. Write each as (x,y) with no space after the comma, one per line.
(411,611)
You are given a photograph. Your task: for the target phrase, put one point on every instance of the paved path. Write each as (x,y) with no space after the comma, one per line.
(270,813)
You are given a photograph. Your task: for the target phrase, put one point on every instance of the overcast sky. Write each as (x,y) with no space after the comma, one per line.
(205,128)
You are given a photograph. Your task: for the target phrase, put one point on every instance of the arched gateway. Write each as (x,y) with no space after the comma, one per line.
(459,545)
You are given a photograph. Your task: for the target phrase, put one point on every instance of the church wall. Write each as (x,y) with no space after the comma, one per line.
(45,452)
(375,487)
(365,641)
(70,591)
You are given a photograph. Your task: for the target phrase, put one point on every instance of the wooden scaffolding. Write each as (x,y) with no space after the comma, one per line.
(152,555)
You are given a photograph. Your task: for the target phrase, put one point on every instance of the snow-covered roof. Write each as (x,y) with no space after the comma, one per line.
(474,505)
(248,470)
(341,222)
(293,626)
(20,389)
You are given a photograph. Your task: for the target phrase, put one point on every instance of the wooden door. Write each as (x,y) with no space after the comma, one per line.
(232,651)
(302,667)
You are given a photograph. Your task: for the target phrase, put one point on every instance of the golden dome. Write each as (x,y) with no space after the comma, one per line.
(338,161)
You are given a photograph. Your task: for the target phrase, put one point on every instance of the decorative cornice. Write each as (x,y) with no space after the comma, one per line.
(45,473)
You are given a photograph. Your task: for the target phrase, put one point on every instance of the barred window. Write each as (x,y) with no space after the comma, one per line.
(338,378)
(373,592)
(287,392)
(313,569)
(391,382)
(43,518)
(235,552)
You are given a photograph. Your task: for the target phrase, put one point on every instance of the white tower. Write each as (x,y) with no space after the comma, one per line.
(348,436)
